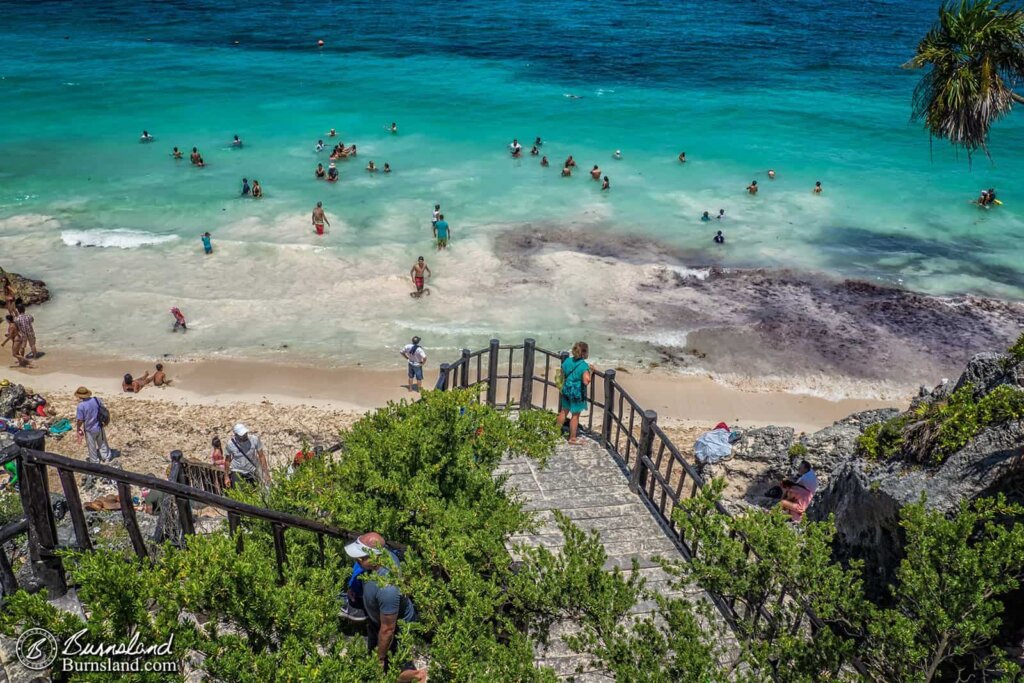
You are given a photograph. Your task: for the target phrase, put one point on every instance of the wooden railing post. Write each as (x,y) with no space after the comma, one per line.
(42,529)
(526,391)
(648,419)
(185,519)
(492,372)
(464,369)
(609,406)
(442,380)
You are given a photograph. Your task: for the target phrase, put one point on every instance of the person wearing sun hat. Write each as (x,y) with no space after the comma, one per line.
(384,605)
(245,457)
(90,418)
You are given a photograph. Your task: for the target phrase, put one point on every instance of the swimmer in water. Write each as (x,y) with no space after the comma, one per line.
(176,153)
(387,167)
(595,173)
(442,232)
(534,151)
(394,127)
(194,156)
(419,273)
(682,157)
(570,162)
(771,174)
(332,133)
(705,218)
(721,214)
(319,218)
(200,163)
(319,145)
(351,151)
(237,142)
(320,172)
(515,148)
(257,191)
(146,137)
(566,171)
(544,161)
(817,187)
(371,167)
(246,191)
(752,187)
(605,185)
(538,142)
(332,172)
(719,238)
(433,217)
(618,154)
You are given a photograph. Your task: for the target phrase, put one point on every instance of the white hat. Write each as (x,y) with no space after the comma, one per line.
(358,550)
(241,429)
(332,164)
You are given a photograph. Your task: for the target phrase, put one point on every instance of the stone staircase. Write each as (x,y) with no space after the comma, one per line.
(586,484)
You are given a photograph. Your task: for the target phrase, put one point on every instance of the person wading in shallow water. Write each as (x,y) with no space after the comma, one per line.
(419,273)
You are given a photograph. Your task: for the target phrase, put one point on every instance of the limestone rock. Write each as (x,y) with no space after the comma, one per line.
(31,292)
(11,396)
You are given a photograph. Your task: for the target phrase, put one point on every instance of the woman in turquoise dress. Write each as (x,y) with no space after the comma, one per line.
(575,379)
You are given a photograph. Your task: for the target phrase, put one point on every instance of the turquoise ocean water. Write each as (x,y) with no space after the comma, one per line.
(814,91)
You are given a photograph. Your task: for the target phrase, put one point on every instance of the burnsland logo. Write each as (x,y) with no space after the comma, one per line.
(38,649)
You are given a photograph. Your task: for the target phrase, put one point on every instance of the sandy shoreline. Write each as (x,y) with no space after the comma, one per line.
(686,399)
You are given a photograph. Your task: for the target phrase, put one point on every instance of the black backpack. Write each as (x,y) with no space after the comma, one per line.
(102,412)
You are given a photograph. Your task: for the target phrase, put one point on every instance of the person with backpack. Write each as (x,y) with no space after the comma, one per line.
(245,457)
(573,395)
(91,417)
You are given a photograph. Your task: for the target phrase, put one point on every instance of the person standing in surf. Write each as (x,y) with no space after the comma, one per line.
(442,232)
(319,218)
(419,272)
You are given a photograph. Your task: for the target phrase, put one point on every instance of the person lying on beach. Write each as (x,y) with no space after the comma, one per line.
(595,173)
(237,142)
(605,185)
(817,187)
(146,137)
(257,191)
(176,153)
(544,161)
(134,386)
(160,378)
(752,187)
(179,320)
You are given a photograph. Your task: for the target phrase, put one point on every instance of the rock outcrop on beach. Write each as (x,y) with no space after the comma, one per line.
(31,292)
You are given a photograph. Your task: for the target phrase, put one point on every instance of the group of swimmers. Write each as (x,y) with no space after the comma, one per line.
(256,191)
(987,198)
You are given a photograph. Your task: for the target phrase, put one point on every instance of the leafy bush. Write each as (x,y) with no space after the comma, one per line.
(1014,354)
(884,440)
(798,450)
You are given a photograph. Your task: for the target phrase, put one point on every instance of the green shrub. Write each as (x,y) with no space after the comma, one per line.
(798,450)
(1014,354)
(884,440)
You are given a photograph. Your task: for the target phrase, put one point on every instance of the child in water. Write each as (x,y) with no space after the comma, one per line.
(179,320)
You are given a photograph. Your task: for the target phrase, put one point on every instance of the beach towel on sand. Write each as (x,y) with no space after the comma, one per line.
(713,446)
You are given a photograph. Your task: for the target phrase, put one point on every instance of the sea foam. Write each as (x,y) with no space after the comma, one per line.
(117,239)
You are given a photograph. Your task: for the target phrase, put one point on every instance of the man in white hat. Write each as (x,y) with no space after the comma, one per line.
(90,418)
(384,605)
(246,458)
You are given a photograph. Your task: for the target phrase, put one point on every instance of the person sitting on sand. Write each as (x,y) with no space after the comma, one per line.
(605,185)
(332,172)
(705,217)
(595,173)
(797,494)
(387,167)
(817,187)
(237,142)
(194,156)
(752,187)
(146,137)
(320,172)
(371,167)
(566,171)
(179,320)
(771,174)
(160,378)
(544,161)
(682,157)
(176,153)
(134,386)
(257,191)
(719,238)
